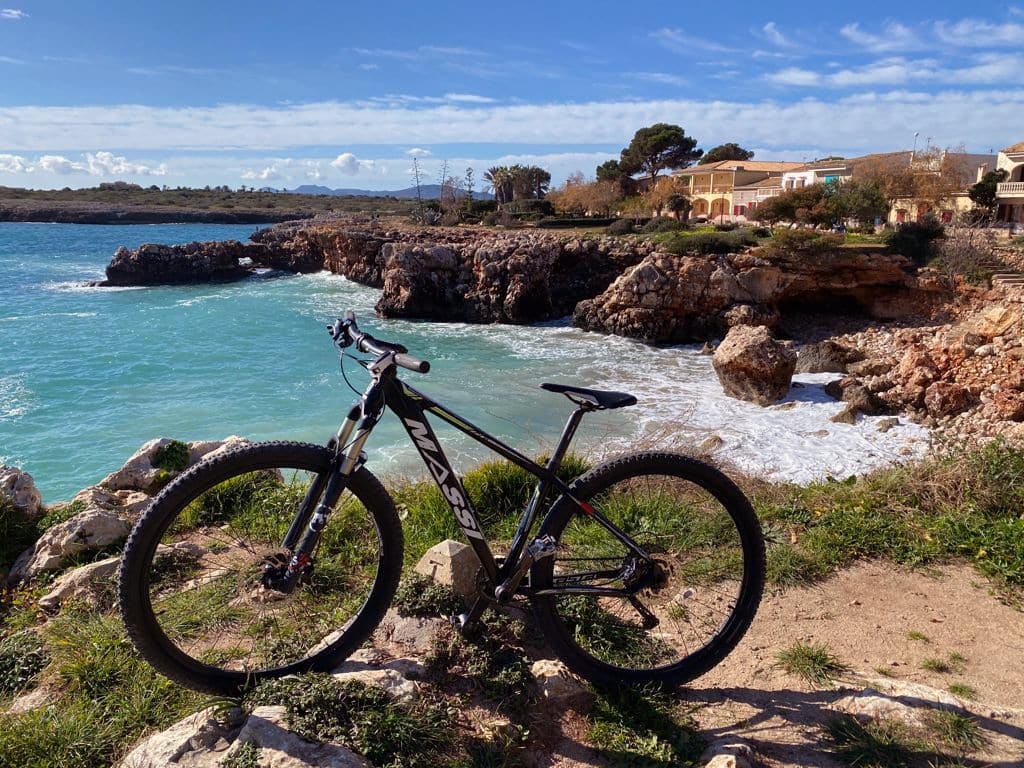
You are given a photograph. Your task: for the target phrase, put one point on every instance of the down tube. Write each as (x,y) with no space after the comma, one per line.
(415,422)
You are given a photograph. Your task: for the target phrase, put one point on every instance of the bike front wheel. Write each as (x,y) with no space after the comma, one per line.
(615,618)
(193,582)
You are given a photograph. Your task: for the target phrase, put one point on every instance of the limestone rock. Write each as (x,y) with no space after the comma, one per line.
(453,564)
(945,398)
(279,747)
(153,264)
(35,699)
(557,683)
(824,357)
(751,365)
(396,676)
(89,530)
(415,633)
(18,487)
(82,583)
(728,752)
(197,741)
(139,474)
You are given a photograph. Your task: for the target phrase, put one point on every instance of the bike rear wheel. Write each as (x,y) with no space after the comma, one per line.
(695,603)
(193,588)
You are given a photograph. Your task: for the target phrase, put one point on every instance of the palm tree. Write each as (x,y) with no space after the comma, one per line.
(500,180)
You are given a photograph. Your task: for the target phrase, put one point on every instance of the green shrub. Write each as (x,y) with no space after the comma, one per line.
(554,222)
(726,226)
(663,224)
(621,227)
(916,240)
(17,533)
(364,718)
(638,728)
(807,243)
(22,658)
(704,243)
(420,595)
(173,456)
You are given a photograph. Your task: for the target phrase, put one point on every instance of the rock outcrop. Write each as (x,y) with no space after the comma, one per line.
(18,487)
(751,365)
(670,298)
(152,264)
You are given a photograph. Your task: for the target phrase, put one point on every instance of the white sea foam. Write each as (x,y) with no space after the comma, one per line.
(78,286)
(16,399)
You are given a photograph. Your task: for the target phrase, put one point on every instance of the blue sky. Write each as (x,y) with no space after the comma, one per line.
(253,93)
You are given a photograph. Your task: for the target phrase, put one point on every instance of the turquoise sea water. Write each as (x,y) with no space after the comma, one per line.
(89,374)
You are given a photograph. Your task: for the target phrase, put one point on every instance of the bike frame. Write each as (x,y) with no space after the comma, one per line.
(386,391)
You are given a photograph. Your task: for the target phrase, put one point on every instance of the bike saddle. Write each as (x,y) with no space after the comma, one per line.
(596,398)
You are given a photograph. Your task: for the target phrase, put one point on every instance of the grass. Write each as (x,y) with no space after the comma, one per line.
(497,668)
(420,595)
(814,662)
(955,730)
(963,690)
(954,662)
(875,744)
(917,636)
(642,729)
(965,505)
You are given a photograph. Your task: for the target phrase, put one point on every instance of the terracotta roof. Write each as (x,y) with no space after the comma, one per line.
(1014,148)
(771,181)
(817,165)
(740,165)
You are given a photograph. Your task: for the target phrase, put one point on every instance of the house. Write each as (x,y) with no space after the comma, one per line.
(1010,194)
(747,197)
(711,186)
(827,171)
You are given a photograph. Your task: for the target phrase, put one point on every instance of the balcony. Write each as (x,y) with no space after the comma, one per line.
(1010,189)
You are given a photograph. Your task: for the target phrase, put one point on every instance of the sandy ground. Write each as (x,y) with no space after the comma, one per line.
(864,614)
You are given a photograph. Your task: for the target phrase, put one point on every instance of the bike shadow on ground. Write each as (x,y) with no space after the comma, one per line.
(788,725)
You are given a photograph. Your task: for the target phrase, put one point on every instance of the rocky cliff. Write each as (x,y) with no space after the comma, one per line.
(152,264)
(612,285)
(669,298)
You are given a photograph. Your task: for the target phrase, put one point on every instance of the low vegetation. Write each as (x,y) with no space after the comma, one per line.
(104,698)
(814,662)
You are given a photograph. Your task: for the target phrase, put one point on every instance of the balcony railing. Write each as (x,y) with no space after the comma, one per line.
(1010,189)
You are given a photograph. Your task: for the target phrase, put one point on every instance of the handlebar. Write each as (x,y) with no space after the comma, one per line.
(345,332)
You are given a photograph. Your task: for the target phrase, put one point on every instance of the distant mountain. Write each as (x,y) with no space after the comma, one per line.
(428,191)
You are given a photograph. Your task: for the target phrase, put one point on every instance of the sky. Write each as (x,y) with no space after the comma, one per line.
(347,94)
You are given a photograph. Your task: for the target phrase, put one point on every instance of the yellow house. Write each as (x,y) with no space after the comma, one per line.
(1010,194)
(711,186)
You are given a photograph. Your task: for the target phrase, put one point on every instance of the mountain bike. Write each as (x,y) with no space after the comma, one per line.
(282,557)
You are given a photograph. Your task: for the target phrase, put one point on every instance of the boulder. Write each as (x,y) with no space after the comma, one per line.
(18,487)
(728,752)
(453,564)
(396,676)
(753,366)
(197,741)
(557,684)
(944,398)
(82,584)
(414,633)
(91,530)
(140,474)
(266,729)
(825,357)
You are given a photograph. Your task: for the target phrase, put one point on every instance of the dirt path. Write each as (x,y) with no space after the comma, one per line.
(864,614)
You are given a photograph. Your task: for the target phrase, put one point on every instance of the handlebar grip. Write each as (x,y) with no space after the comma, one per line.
(412,363)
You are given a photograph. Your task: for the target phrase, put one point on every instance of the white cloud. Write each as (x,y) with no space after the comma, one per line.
(13,14)
(14,164)
(975,33)
(107,164)
(9,60)
(468,98)
(986,68)
(794,76)
(774,34)
(664,78)
(268,173)
(349,164)
(418,152)
(58,164)
(369,67)
(679,42)
(894,37)
(986,117)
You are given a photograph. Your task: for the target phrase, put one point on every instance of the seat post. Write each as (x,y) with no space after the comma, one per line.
(567,434)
